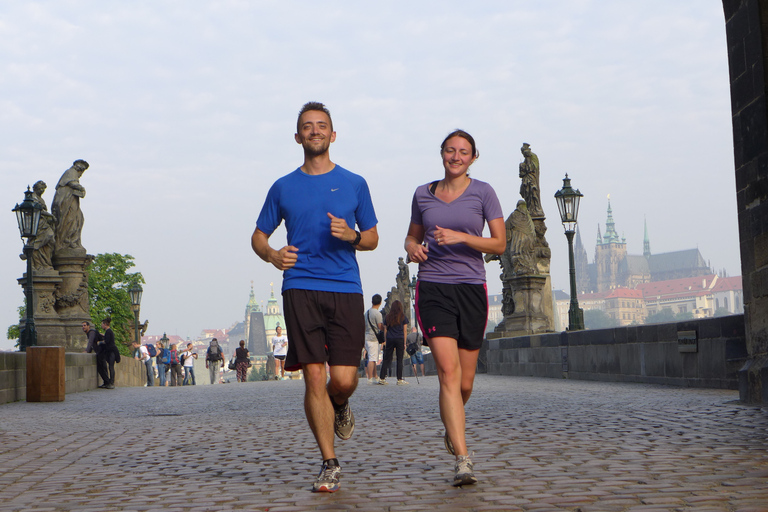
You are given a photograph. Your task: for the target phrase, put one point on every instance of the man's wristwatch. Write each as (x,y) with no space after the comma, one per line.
(357,238)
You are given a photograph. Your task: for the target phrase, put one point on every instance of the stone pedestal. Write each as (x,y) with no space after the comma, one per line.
(50,329)
(46,376)
(529,316)
(72,296)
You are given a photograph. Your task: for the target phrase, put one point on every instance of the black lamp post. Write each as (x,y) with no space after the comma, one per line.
(568,203)
(412,286)
(28,217)
(135,292)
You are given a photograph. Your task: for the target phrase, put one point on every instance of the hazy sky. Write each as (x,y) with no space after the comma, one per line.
(186,112)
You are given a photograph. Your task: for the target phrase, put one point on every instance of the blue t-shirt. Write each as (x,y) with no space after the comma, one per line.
(324,262)
(468,213)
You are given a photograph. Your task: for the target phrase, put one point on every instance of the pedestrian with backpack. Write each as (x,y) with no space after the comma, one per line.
(176,378)
(142,354)
(162,360)
(213,358)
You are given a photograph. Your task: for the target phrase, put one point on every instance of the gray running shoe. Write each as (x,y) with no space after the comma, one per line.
(328,479)
(464,471)
(448,444)
(383,382)
(344,422)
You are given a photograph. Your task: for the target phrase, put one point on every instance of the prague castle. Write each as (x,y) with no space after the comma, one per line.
(613,268)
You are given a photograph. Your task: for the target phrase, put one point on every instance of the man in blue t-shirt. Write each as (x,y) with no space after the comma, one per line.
(321,203)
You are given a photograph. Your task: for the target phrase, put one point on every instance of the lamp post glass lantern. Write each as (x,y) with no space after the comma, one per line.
(568,204)
(28,217)
(135,292)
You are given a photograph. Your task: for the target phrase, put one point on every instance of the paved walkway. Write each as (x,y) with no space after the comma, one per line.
(540,445)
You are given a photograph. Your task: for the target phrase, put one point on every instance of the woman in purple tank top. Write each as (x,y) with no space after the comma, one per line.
(446,239)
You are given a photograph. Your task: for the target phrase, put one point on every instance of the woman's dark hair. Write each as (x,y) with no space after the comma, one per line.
(242,343)
(463,135)
(395,317)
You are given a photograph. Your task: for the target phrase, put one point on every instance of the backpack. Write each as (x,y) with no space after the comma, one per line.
(183,357)
(214,353)
(174,354)
(165,357)
(151,349)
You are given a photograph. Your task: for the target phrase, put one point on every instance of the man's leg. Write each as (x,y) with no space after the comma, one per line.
(192,373)
(317,401)
(150,373)
(101,368)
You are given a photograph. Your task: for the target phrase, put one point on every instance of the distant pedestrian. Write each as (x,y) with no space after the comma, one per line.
(213,358)
(141,353)
(93,336)
(109,355)
(373,324)
(445,238)
(413,344)
(279,351)
(242,362)
(175,367)
(189,357)
(161,361)
(395,326)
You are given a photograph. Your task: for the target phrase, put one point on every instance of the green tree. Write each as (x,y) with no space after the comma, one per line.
(14,331)
(665,316)
(108,285)
(721,312)
(598,319)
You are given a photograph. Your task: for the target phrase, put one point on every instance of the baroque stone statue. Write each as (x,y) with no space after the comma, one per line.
(44,242)
(521,242)
(66,208)
(529,188)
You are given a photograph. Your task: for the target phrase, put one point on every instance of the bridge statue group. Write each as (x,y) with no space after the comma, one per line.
(59,263)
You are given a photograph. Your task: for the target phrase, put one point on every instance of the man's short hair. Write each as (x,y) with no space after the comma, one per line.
(107,321)
(376,300)
(313,105)
(87,323)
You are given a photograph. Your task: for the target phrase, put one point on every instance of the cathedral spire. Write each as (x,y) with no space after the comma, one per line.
(599,236)
(610,236)
(646,241)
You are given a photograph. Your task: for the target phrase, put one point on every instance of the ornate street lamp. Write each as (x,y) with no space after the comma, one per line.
(28,217)
(135,292)
(568,203)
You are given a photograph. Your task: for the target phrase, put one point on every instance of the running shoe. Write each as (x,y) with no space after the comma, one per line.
(344,422)
(448,444)
(328,479)
(464,471)
(383,382)
(402,382)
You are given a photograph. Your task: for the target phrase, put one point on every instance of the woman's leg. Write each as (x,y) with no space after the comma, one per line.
(456,373)
(400,347)
(387,361)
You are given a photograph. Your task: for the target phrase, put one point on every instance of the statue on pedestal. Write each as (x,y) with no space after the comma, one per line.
(66,208)
(529,188)
(44,242)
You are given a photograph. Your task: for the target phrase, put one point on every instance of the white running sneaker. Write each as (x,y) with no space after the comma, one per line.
(464,473)
(402,382)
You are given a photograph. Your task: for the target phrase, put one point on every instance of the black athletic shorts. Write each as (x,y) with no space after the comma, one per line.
(323,327)
(458,311)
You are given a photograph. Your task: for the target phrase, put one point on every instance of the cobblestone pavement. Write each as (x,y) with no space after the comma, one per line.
(540,445)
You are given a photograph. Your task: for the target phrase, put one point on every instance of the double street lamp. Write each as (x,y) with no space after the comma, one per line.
(135,292)
(28,217)
(568,203)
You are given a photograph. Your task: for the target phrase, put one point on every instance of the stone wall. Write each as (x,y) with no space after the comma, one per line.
(80,371)
(745,25)
(658,354)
